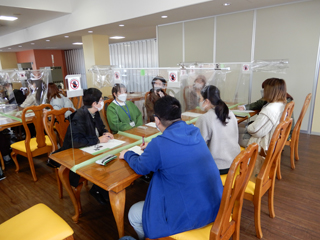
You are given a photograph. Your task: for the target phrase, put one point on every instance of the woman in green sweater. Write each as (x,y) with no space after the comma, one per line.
(121,114)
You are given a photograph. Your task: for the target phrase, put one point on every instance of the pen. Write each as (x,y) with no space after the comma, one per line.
(143,141)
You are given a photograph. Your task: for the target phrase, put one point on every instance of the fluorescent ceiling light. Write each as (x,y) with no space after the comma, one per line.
(226,4)
(47,40)
(121,25)
(32,43)
(116,37)
(77,43)
(9,47)
(90,31)
(66,36)
(8,18)
(164,16)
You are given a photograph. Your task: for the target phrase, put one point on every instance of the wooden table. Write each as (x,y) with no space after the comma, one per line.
(114,177)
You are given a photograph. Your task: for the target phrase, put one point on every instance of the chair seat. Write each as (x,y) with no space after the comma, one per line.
(250,187)
(21,146)
(195,234)
(36,223)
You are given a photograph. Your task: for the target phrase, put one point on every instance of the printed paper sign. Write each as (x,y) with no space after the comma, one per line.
(74,82)
(117,76)
(173,77)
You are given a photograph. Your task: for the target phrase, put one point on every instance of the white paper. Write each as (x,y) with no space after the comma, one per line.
(244,111)
(151,124)
(112,143)
(191,114)
(136,149)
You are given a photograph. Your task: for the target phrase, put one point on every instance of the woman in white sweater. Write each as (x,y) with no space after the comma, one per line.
(219,128)
(261,130)
(58,100)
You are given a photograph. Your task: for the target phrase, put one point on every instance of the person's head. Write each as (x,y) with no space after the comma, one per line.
(158,83)
(53,91)
(210,98)
(92,98)
(200,82)
(119,92)
(167,111)
(275,90)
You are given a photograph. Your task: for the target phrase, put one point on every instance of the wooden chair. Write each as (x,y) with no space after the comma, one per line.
(104,112)
(287,113)
(32,147)
(227,222)
(294,141)
(77,101)
(36,223)
(3,166)
(266,177)
(55,121)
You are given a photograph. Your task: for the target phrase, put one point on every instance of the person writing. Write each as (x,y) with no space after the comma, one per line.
(185,190)
(219,128)
(122,114)
(157,91)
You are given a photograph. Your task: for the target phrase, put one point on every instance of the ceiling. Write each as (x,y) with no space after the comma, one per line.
(138,28)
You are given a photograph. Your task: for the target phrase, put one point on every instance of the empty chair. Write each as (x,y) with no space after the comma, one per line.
(227,222)
(32,147)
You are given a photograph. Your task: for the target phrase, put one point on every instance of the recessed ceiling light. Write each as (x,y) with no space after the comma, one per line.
(121,25)
(9,47)
(8,18)
(116,37)
(66,36)
(90,31)
(164,16)
(32,43)
(47,40)
(19,46)
(77,43)
(226,4)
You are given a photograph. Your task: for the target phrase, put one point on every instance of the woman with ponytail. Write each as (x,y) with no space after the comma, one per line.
(219,128)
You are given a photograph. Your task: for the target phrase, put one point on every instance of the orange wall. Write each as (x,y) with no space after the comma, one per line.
(42,58)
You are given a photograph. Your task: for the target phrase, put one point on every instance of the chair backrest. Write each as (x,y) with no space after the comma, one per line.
(77,101)
(278,140)
(104,112)
(233,192)
(296,129)
(38,123)
(287,112)
(55,120)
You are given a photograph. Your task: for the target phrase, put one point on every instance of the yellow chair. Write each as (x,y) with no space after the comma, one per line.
(294,141)
(266,177)
(32,147)
(36,223)
(227,222)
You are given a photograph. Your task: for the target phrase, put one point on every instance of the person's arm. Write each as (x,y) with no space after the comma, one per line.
(114,119)
(255,105)
(204,128)
(56,103)
(30,100)
(79,137)
(260,127)
(137,115)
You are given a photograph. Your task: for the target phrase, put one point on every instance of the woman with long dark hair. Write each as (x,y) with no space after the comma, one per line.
(219,128)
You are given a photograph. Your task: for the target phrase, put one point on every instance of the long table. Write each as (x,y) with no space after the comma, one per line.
(115,177)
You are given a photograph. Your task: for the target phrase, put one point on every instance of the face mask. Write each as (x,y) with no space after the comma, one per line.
(157,88)
(198,86)
(101,107)
(201,106)
(122,97)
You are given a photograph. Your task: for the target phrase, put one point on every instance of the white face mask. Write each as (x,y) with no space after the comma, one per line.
(201,106)
(101,106)
(122,97)
(198,85)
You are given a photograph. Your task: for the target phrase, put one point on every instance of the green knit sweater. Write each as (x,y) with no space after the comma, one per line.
(119,120)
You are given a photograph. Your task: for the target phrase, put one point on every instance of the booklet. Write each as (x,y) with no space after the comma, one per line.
(112,143)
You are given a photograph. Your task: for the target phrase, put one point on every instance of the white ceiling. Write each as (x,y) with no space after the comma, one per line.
(136,28)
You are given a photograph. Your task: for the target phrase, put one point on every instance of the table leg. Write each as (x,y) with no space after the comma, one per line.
(64,177)
(117,201)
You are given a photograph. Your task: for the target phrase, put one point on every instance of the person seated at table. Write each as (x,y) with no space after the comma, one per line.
(57,100)
(185,190)
(219,128)
(261,130)
(37,88)
(157,91)
(193,94)
(122,114)
(86,129)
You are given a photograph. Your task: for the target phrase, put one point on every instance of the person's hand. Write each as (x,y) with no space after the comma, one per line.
(45,110)
(122,153)
(241,108)
(160,93)
(143,146)
(109,135)
(104,138)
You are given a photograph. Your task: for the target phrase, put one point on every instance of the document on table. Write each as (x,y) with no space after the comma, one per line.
(151,124)
(136,149)
(242,113)
(112,143)
(191,114)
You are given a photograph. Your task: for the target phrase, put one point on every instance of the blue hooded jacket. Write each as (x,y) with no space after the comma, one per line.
(185,190)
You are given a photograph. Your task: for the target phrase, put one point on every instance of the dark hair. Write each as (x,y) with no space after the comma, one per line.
(158,78)
(269,80)
(275,90)
(221,109)
(168,110)
(117,88)
(90,96)
(40,87)
(53,91)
